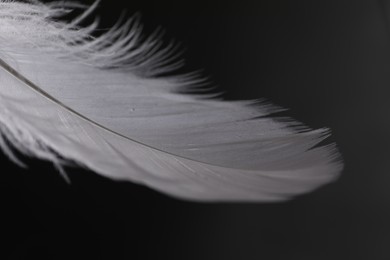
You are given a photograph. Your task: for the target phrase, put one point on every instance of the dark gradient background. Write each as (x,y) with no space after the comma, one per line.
(327,61)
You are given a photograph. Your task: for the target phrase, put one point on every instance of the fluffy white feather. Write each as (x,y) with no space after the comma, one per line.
(97,101)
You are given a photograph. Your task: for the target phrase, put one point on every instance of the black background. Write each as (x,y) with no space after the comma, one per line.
(328,61)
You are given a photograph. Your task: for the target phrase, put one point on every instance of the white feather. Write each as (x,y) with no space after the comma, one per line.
(97,101)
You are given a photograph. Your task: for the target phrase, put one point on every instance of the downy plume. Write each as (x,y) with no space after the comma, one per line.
(102,103)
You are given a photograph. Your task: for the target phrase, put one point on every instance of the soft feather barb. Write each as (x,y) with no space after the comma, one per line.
(66,95)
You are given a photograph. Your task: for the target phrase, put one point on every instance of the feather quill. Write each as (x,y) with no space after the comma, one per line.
(67,96)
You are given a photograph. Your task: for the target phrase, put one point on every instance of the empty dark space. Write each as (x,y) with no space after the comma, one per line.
(328,62)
